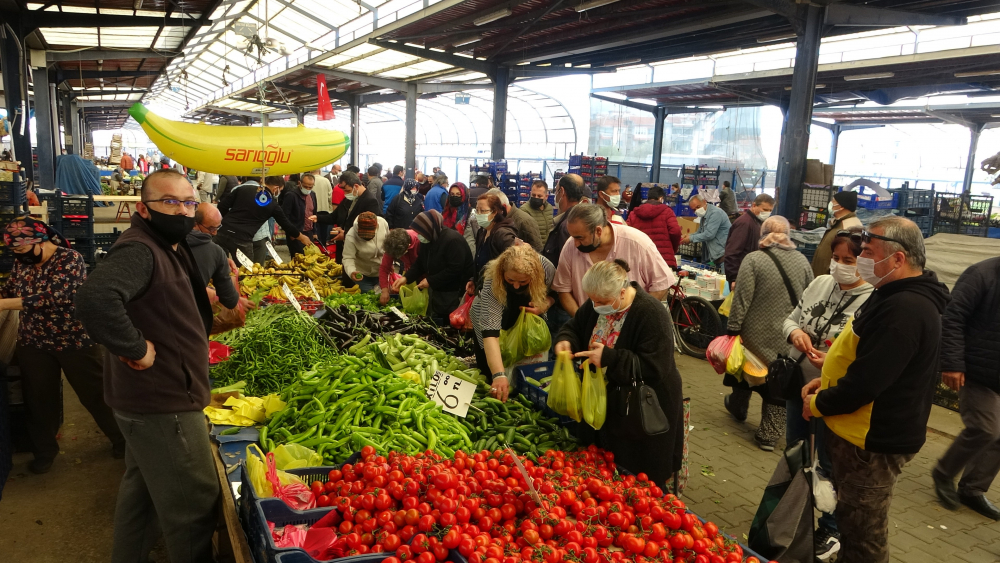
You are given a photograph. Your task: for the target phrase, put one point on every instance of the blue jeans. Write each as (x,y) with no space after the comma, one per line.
(555,317)
(797,428)
(367,283)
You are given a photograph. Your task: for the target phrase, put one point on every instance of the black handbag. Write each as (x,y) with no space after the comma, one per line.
(636,407)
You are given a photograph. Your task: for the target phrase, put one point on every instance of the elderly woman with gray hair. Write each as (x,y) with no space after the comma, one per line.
(771,282)
(618,324)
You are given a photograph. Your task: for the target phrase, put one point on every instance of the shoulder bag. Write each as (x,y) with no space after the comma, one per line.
(637,407)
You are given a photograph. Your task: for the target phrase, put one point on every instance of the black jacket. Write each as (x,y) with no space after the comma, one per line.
(348,211)
(502,238)
(641,336)
(403,209)
(970,339)
(213,263)
(242,217)
(295,207)
(557,240)
(744,238)
(446,262)
(898,333)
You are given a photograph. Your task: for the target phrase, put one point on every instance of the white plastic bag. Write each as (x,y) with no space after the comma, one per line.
(824,496)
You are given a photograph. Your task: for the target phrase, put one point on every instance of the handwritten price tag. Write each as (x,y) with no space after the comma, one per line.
(399,313)
(243,260)
(452,393)
(315,293)
(291,297)
(273,252)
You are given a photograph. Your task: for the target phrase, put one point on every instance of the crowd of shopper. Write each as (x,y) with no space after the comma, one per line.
(868,325)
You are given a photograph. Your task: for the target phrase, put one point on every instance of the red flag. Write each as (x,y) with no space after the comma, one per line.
(325,110)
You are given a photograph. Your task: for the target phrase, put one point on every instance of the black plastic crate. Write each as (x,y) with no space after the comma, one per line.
(105,241)
(75,207)
(87,249)
(6,260)
(967,209)
(13,194)
(77,228)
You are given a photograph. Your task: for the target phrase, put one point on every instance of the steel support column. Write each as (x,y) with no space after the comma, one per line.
(836,130)
(68,126)
(660,114)
(501,80)
(74,113)
(45,120)
(355,131)
(16,100)
(798,119)
(411,130)
(970,164)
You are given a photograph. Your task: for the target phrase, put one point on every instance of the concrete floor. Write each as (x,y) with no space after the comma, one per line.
(67,514)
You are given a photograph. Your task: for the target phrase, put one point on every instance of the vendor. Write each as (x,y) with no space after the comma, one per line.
(401,245)
(618,324)
(445,260)
(50,340)
(363,250)
(518,278)
(246,209)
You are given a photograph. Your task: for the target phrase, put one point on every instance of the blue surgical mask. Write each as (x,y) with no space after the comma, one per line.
(483,219)
(609,309)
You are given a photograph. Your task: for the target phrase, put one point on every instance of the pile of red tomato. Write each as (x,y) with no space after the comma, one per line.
(581,511)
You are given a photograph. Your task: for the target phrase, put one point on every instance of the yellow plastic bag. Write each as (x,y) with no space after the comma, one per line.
(529,336)
(295,456)
(727,304)
(595,396)
(734,363)
(754,369)
(564,392)
(414,300)
(257,469)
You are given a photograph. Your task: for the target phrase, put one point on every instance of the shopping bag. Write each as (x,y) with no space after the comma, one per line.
(564,392)
(529,336)
(461,318)
(595,396)
(296,495)
(295,456)
(414,300)
(718,351)
(734,361)
(224,320)
(727,304)
(754,369)
(782,528)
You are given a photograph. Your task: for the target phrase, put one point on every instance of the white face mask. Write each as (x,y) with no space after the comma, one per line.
(763,215)
(843,273)
(614,201)
(701,211)
(609,309)
(866,269)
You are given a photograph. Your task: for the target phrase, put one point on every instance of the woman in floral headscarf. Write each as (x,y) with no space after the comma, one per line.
(50,340)
(456,208)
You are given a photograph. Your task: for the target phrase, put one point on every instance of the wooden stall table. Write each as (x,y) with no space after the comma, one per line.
(124,203)
(230,542)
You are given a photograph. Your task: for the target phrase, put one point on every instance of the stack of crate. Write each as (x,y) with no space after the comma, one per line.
(13,203)
(917,206)
(524,187)
(590,168)
(962,214)
(73,216)
(814,212)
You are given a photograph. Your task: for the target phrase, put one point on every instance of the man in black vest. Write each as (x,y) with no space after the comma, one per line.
(147,305)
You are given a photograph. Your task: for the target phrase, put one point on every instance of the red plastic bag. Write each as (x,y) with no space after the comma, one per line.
(718,352)
(295,495)
(217,352)
(461,318)
(289,536)
(393,276)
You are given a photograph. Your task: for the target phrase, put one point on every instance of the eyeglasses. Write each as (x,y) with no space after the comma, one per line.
(170,202)
(865,237)
(211,230)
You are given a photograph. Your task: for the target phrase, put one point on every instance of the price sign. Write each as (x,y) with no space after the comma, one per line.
(527,479)
(315,293)
(452,393)
(243,260)
(273,252)
(399,313)
(291,297)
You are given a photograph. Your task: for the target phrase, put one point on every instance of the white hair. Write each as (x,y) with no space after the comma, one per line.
(503,197)
(605,279)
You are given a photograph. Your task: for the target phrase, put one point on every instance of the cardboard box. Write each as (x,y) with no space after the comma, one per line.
(815,173)
(687,224)
(828,174)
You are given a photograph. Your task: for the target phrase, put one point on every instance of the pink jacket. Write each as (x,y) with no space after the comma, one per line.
(408,259)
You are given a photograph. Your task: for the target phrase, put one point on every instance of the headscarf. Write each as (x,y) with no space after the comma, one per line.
(28,231)
(457,217)
(408,185)
(774,232)
(428,224)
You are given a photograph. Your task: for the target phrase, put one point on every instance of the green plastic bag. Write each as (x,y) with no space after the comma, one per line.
(595,396)
(414,300)
(564,392)
(295,456)
(529,336)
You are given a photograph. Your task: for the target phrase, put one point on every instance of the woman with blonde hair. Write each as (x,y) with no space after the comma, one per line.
(518,278)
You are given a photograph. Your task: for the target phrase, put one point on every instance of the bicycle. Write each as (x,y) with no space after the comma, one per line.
(696,321)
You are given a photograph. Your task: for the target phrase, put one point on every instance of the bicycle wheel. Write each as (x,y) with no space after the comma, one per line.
(697,323)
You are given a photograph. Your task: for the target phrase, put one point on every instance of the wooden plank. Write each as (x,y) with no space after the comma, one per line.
(117,198)
(237,541)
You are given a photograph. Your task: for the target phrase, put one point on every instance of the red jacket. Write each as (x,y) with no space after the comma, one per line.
(660,224)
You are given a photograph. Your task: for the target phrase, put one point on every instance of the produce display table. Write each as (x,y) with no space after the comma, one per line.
(124,203)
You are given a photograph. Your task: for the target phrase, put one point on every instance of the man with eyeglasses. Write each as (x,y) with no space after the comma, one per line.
(877,384)
(213,264)
(147,305)
(246,208)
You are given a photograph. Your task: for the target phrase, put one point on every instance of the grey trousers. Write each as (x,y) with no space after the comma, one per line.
(977,448)
(170,486)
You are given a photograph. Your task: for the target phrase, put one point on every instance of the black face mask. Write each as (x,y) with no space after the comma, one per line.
(172,228)
(536,202)
(594,244)
(455,200)
(30,257)
(523,290)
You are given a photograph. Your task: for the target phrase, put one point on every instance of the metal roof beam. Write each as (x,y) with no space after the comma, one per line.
(626,103)
(104,103)
(253,114)
(268,103)
(63,75)
(398,85)
(545,71)
(444,88)
(33,21)
(100,55)
(855,15)
(949,118)
(310,15)
(467,63)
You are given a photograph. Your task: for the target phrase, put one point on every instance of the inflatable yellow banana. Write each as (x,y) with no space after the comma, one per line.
(242,151)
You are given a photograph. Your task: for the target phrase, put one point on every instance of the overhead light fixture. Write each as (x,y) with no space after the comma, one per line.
(493,16)
(594,4)
(466,40)
(977,73)
(776,38)
(872,76)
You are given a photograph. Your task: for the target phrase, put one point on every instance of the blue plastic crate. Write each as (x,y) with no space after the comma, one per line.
(870,200)
(993,232)
(274,510)
(299,556)
(914,199)
(539,397)
(973,231)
